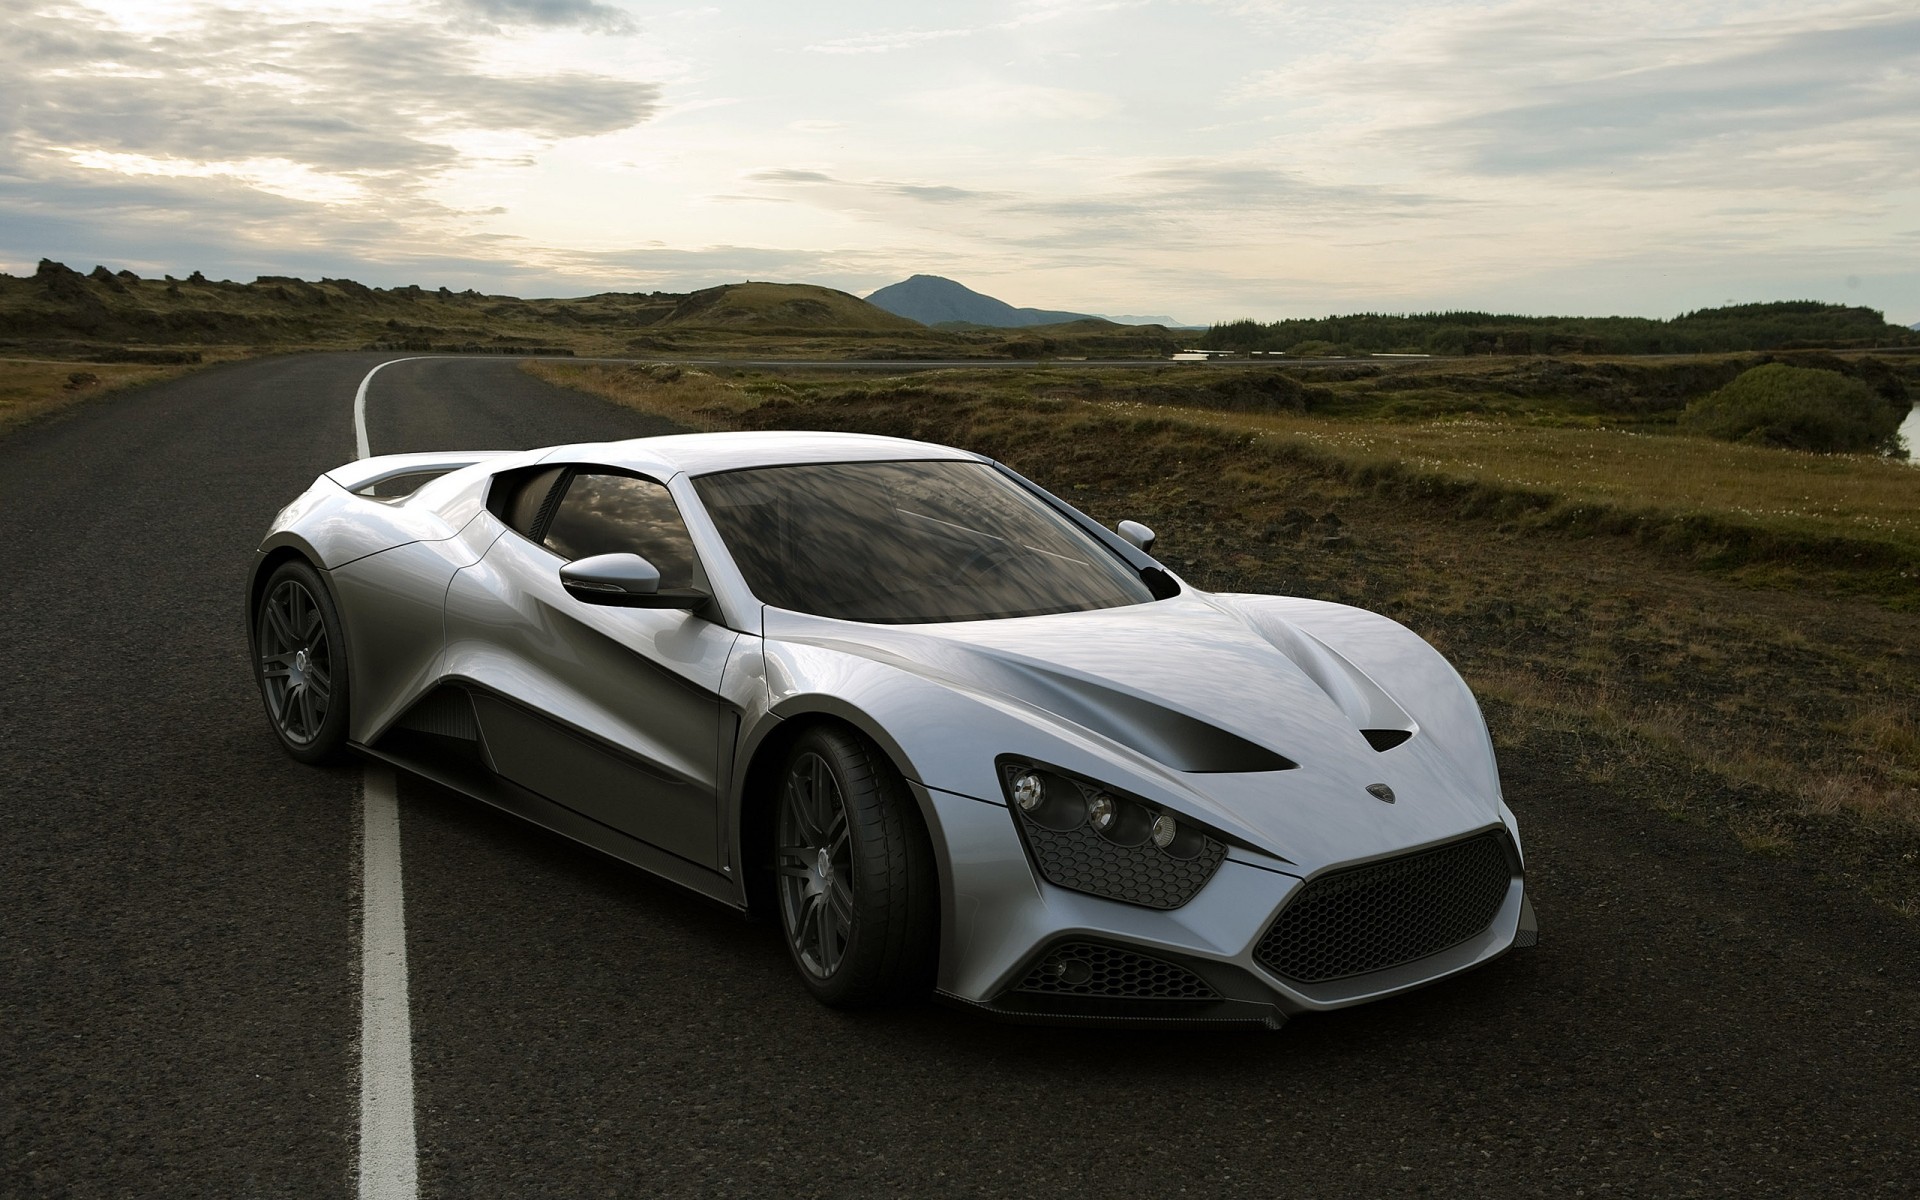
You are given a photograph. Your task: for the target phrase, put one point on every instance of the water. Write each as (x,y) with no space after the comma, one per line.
(1910,436)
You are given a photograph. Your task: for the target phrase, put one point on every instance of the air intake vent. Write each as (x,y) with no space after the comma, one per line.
(1385,739)
(1387,913)
(1088,969)
(446,711)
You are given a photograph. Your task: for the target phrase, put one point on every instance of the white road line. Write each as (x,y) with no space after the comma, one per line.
(360,447)
(389,1160)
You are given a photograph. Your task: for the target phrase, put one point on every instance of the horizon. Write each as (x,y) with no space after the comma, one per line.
(1208,161)
(1391,314)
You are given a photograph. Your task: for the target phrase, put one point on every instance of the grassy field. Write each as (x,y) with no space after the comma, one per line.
(33,388)
(1771,692)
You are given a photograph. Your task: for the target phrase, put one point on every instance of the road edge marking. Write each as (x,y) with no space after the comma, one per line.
(389,1166)
(389,1163)
(361,447)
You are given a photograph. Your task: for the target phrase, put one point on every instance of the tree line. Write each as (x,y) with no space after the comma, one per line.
(1782,325)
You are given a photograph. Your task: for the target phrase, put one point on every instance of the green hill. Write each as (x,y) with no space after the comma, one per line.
(771,307)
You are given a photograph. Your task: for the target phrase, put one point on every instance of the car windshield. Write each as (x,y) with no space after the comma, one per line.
(899,542)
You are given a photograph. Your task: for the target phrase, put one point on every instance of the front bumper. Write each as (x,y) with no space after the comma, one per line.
(1022,949)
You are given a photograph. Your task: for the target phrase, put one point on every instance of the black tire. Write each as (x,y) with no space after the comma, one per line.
(853,873)
(300,664)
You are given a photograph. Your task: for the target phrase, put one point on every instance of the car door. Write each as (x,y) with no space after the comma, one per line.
(613,712)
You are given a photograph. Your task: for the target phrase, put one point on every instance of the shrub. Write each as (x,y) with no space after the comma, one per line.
(1318,349)
(1800,408)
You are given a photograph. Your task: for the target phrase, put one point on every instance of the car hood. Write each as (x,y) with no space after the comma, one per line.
(1266,730)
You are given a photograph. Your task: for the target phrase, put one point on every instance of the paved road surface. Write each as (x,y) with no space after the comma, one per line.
(180,999)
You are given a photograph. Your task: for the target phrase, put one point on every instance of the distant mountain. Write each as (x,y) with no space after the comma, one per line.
(1915,327)
(931,300)
(1169,322)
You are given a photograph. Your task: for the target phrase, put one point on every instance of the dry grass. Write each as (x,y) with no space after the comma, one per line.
(1762,833)
(688,395)
(32,388)
(1854,495)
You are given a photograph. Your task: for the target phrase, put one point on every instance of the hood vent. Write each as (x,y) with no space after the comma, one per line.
(1161,733)
(1385,739)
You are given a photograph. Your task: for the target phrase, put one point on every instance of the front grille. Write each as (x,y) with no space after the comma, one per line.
(1386,913)
(1087,969)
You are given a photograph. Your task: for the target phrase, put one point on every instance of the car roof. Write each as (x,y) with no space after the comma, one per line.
(707,453)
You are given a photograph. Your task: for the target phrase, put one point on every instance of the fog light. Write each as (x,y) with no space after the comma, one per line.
(1028,791)
(1131,826)
(1070,971)
(1100,811)
(1165,828)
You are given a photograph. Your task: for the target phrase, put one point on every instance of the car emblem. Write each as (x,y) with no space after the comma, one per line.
(1380,791)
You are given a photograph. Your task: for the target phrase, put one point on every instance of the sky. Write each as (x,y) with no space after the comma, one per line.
(1205,159)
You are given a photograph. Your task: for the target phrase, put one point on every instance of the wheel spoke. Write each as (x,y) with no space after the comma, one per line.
(798,806)
(794,871)
(829,949)
(277,671)
(308,722)
(296,609)
(807,926)
(840,899)
(277,624)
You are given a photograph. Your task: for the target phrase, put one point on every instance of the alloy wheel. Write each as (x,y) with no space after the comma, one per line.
(814,861)
(296,662)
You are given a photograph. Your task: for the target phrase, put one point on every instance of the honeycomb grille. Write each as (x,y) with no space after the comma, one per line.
(1086,969)
(1387,913)
(1084,861)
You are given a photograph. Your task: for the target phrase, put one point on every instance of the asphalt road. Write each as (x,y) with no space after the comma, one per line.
(180,1000)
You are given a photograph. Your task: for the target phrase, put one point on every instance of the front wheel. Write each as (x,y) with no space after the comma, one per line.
(853,872)
(300,661)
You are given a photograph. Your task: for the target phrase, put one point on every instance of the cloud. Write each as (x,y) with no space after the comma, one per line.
(937,193)
(336,98)
(1229,184)
(580,14)
(258,136)
(1816,98)
(789,175)
(234,104)
(863,190)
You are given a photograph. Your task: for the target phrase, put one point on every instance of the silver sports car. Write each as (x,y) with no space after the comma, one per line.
(955,733)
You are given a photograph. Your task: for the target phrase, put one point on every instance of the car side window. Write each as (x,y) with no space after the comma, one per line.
(605,513)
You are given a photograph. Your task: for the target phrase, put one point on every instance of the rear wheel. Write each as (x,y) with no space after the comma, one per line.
(300,662)
(853,872)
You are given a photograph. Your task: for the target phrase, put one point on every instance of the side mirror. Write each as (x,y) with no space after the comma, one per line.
(624,581)
(1141,537)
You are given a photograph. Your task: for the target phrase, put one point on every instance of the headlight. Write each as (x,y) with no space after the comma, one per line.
(1094,839)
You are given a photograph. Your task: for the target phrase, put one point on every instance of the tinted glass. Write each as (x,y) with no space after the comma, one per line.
(522,507)
(910,541)
(619,514)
